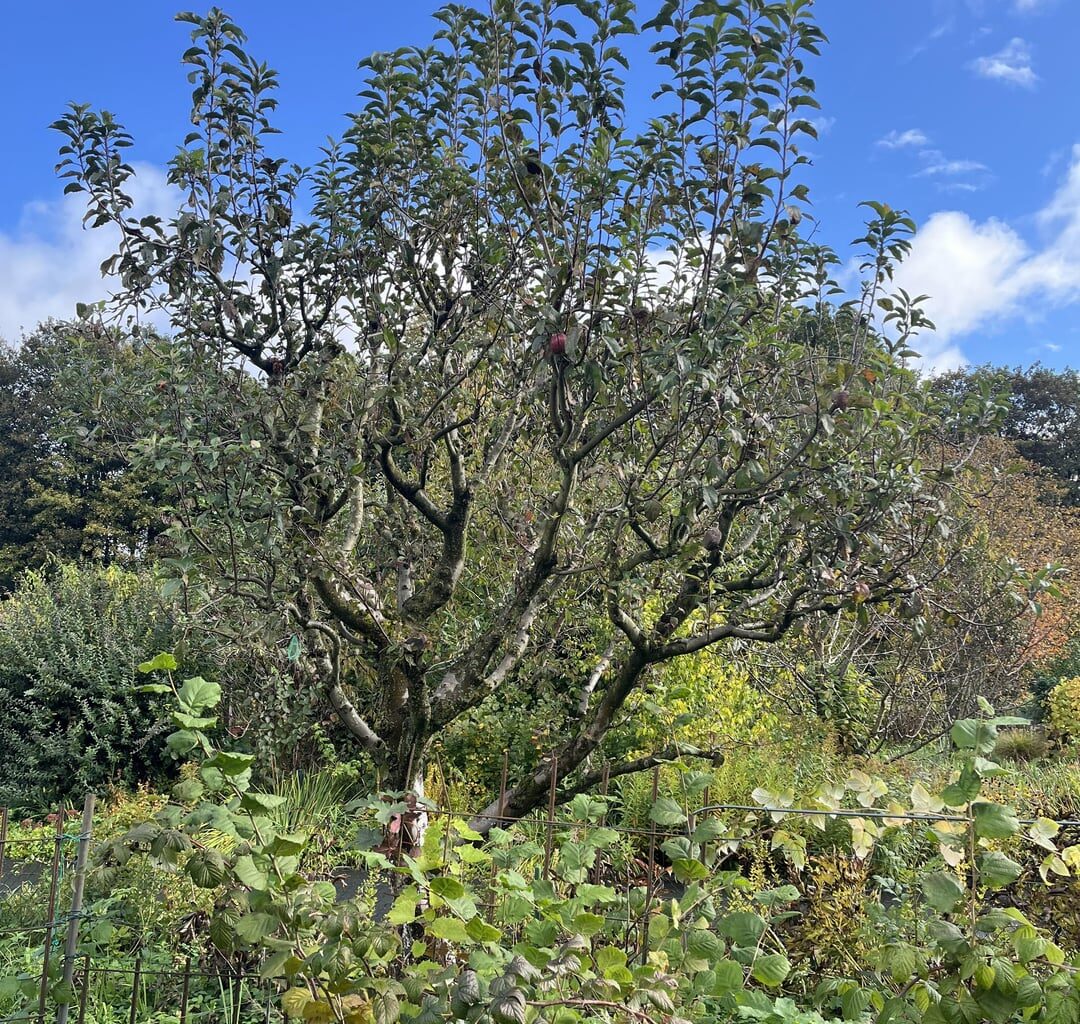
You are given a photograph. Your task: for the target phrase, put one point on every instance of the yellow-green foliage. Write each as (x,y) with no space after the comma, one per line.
(832,930)
(1064,708)
(1050,789)
(703,700)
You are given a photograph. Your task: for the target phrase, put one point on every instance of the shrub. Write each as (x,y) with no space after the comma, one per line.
(1021,745)
(70,638)
(1064,666)
(1064,708)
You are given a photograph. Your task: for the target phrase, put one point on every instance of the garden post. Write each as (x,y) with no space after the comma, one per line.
(75,917)
(3,837)
(50,922)
(551,814)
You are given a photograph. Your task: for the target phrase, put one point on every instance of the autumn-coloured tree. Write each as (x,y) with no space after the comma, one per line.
(1020,507)
(1042,418)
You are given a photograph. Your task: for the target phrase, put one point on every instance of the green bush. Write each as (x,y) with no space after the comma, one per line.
(70,638)
(1064,666)
(1063,705)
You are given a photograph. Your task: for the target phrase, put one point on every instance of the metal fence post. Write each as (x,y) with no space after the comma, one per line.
(74,918)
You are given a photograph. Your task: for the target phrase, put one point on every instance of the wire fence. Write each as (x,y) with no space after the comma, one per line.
(68,980)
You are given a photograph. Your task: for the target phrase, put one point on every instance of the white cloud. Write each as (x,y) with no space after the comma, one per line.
(51,262)
(1011,64)
(900,140)
(980,273)
(951,167)
(957,186)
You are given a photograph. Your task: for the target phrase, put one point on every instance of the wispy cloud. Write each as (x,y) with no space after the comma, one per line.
(1011,64)
(941,166)
(935,164)
(958,186)
(822,125)
(912,137)
(924,44)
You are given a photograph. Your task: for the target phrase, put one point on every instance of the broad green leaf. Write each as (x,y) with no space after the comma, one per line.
(770,970)
(509,1008)
(385,1008)
(667,812)
(197,694)
(994,821)
(230,763)
(286,844)
(260,803)
(729,977)
(249,873)
(181,742)
(1028,992)
(206,868)
(253,928)
(609,958)
(942,891)
(702,944)
(480,931)
(708,829)
(686,870)
(450,929)
(188,791)
(964,790)
(742,927)
(974,734)
(588,924)
(186,721)
(996,870)
(853,1002)
(294,1001)
(163,662)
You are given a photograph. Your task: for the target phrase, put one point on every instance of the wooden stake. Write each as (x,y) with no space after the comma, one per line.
(136,978)
(74,918)
(50,924)
(85,988)
(185,988)
(551,814)
(3,837)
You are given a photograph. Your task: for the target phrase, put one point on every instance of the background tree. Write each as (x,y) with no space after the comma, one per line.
(503,363)
(59,495)
(1043,416)
(1024,511)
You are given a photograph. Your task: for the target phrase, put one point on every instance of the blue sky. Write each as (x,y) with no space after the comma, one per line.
(962,111)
